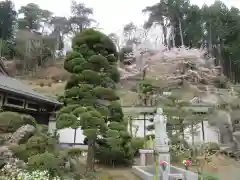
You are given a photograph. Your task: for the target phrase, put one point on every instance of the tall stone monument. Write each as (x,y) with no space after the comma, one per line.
(148,172)
(161,141)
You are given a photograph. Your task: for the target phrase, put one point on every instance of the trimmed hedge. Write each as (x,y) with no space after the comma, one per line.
(11,121)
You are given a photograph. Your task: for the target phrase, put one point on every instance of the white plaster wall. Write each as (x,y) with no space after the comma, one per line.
(140,125)
(67,135)
(211,134)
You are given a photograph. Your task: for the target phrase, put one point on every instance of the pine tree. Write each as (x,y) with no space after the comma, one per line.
(90,97)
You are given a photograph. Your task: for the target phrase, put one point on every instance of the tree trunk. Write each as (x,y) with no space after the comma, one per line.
(1,45)
(131,125)
(210,39)
(173,35)
(192,133)
(182,128)
(165,35)
(164,29)
(90,155)
(144,124)
(75,135)
(203,131)
(81,28)
(230,68)
(181,33)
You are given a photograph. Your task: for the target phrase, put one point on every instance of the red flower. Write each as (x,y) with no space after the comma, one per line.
(187,162)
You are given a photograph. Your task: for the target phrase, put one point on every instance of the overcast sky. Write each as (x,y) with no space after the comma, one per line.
(112,15)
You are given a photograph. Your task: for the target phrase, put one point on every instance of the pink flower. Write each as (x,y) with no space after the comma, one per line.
(163,163)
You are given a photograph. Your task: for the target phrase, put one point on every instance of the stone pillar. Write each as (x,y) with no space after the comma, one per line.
(142,158)
(163,155)
(161,142)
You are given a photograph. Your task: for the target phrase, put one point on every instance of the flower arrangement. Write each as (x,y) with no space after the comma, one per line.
(164,165)
(187,163)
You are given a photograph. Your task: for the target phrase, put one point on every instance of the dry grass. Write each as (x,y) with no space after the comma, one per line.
(49,76)
(49,89)
(45,82)
(53,90)
(128,98)
(223,167)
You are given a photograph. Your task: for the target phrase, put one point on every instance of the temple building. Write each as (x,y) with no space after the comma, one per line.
(17,97)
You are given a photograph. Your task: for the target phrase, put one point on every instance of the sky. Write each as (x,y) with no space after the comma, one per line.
(111,15)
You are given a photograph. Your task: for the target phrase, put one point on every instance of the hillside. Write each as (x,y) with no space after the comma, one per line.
(53,84)
(187,72)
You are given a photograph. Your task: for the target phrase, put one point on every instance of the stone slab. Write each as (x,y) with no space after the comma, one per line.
(147,173)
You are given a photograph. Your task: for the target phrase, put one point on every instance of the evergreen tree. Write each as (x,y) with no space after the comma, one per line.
(90,97)
(7,19)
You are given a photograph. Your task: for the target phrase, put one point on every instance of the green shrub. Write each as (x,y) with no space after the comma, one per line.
(150,136)
(207,176)
(10,121)
(72,152)
(179,149)
(42,129)
(111,58)
(113,157)
(29,120)
(113,73)
(137,143)
(46,161)
(93,40)
(67,109)
(41,143)
(210,147)
(66,120)
(37,144)
(20,151)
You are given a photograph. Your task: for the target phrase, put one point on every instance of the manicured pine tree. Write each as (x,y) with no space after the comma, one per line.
(90,98)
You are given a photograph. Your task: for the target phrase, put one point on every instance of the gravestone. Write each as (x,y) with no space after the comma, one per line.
(147,172)
(161,141)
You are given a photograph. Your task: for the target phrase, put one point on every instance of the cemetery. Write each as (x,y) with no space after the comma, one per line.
(164,105)
(175,129)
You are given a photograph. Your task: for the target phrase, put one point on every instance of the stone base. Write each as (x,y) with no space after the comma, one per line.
(165,157)
(147,173)
(146,157)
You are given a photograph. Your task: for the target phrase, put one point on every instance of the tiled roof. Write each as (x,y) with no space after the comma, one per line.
(15,86)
